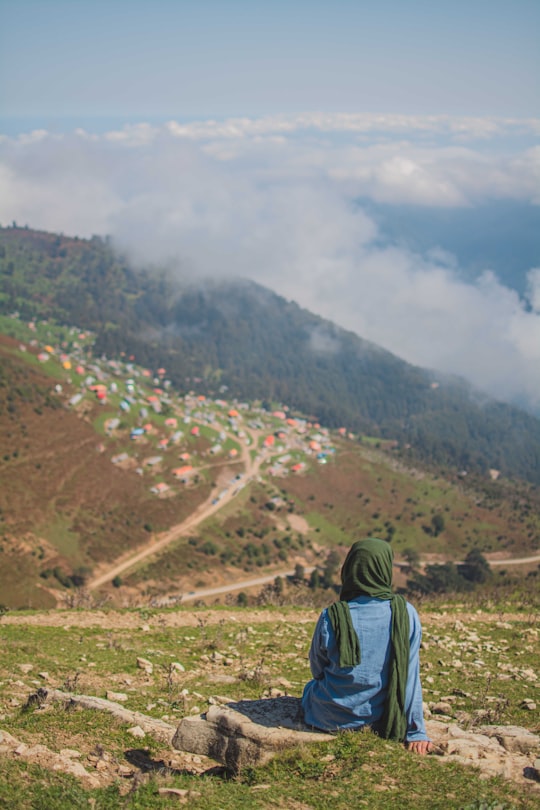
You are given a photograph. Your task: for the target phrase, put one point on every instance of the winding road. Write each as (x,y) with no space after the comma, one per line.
(203,511)
(210,507)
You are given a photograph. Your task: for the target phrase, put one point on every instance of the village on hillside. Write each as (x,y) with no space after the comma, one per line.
(167,437)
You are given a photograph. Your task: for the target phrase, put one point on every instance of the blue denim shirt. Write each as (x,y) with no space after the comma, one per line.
(350,697)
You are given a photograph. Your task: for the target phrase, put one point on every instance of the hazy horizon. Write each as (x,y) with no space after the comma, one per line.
(378,163)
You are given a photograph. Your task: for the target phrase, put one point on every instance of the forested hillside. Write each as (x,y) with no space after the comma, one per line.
(240,335)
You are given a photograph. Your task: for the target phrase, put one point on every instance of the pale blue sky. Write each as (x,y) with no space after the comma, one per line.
(374,160)
(159,59)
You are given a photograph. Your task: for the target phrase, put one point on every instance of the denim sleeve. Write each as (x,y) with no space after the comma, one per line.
(318,652)
(416,729)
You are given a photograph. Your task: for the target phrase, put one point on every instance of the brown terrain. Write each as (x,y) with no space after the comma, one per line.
(65,507)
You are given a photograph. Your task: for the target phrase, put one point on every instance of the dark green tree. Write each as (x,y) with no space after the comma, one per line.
(315,579)
(437,523)
(475,568)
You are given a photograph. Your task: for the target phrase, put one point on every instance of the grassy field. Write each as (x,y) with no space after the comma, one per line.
(483,663)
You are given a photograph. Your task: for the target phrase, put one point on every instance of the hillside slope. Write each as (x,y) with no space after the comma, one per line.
(97,477)
(241,336)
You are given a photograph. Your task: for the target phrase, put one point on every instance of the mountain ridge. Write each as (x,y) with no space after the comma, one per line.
(240,337)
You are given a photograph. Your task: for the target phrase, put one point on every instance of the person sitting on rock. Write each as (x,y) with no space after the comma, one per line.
(364,655)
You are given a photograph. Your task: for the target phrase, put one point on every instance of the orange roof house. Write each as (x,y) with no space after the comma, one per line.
(195,431)
(269,441)
(160,488)
(233,413)
(180,472)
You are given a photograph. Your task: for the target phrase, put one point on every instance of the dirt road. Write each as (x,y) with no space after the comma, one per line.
(205,510)
(210,507)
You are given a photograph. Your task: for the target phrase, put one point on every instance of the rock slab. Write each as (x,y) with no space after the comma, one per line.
(248,732)
(251,732)
(507,751)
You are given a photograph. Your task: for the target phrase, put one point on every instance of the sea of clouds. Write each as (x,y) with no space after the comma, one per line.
(277,200)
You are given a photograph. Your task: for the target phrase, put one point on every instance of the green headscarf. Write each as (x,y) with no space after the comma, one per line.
(367,571)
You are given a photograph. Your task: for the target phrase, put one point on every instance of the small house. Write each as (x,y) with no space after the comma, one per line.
(160,489)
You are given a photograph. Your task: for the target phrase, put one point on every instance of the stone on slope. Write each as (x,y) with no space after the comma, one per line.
(506,751)
(249,732)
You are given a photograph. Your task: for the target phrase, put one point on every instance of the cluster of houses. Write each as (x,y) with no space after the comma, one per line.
(141,408)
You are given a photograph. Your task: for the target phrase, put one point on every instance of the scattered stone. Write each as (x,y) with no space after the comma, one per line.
(528,704)
(442,707)
(26,668)
(275,693)
(513,738)
(144,664)
(183,795)
(120,697)
(136,731)
(177,666)
(157,728)
(218,677)
(70,753)
(7,739)
(496,750)
(43,756)
(44,676)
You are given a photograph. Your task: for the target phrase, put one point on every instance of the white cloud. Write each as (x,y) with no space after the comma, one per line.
(533,285)
(273,200)
(464,128)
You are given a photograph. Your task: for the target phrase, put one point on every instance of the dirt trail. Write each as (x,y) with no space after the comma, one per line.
(210,507)
(116,619)
(205,510)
